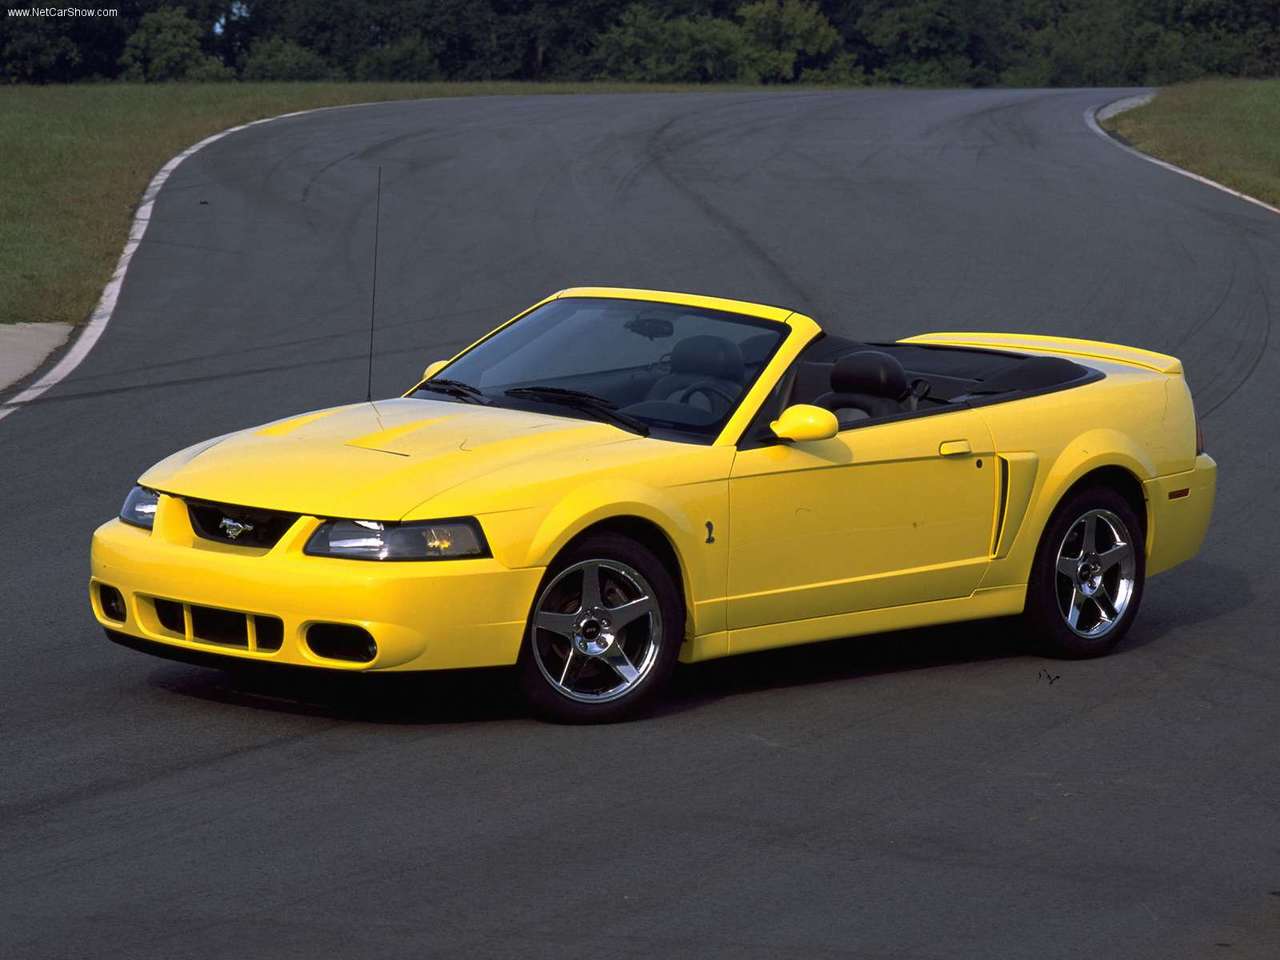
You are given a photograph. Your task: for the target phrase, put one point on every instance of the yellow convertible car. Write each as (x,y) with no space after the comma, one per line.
(616,479)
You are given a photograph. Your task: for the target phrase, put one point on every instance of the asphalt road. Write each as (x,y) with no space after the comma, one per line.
(929,795)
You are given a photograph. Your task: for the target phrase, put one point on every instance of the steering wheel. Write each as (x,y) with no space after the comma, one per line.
(708,389)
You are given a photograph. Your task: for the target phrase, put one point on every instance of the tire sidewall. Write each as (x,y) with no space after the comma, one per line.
(1048,631)
(549,703)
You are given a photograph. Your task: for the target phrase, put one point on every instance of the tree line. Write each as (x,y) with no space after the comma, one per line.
(847,42)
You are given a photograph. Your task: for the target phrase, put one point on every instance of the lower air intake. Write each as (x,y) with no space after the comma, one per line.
(270,632)
(341,641)
(219,626)
(169,614)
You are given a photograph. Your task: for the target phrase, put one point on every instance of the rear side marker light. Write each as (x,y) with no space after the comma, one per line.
(112,603)
(341,641)
(1179,494)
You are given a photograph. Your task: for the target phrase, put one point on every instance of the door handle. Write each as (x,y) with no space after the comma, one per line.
(954,448)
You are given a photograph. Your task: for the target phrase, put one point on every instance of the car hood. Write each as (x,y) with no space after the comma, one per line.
(373,461)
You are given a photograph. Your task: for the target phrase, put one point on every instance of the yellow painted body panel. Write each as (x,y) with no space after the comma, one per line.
(1180,520)
(874,517)
(884,526)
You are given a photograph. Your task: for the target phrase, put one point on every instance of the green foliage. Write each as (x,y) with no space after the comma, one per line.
(39,55)
(714,51)
(643,46)
(278,59)
(915,42)
(210,70)
(845,70)
(920,42)
(406,59)
(788,36)
(166,46)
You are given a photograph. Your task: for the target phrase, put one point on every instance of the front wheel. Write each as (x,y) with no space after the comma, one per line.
(1087,580)
(604,632)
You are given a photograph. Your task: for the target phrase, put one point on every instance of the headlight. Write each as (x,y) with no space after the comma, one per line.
(140,507)
(373,540)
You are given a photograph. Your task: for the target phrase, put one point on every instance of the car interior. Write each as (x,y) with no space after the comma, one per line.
(861,382)
(675,374)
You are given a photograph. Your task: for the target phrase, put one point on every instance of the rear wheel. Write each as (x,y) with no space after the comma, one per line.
(604,632)
(1088,576)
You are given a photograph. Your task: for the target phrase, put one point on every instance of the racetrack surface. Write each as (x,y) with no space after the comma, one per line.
(928,795)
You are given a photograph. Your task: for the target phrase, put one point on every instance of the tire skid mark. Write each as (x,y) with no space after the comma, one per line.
(1262,344)
(660,153)
(101,790)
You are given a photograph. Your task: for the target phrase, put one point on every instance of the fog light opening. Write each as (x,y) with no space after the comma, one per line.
(341,641)
(112,603)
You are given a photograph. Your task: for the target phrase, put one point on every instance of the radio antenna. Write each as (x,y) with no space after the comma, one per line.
(373,292)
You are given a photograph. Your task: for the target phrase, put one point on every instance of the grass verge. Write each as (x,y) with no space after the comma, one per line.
(1226,130)
(77,158)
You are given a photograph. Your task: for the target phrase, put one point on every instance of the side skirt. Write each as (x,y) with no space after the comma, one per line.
(990,602)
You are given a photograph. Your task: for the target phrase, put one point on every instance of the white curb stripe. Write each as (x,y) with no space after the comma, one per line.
(101,316)
(1128,103)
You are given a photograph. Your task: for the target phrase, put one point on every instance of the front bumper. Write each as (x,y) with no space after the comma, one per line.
(432,615)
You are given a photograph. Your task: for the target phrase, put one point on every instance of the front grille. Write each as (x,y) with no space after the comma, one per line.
(228,628)
(239,526)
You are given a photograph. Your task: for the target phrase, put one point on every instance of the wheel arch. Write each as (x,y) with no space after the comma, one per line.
(637,522)
(1118,478)
(652,537)
(1042,608)
(1118,473)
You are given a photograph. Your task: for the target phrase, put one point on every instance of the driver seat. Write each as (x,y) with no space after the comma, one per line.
(702,359)
(866,384)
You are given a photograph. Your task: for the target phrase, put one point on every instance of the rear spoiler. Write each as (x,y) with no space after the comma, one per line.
(1060,346)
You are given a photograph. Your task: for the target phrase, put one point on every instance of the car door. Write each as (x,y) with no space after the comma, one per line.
(880,515)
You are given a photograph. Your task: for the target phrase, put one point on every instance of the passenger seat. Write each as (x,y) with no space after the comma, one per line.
(866,384)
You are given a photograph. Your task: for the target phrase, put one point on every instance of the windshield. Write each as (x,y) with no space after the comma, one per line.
(679,371)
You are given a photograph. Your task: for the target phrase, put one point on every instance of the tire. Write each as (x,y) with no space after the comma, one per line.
(1082,601)
(609,658)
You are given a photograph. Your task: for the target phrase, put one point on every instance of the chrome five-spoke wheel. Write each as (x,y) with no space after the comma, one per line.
(597,628)
(1096,572)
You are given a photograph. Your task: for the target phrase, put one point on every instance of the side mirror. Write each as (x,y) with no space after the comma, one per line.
(434,367)
(803,421)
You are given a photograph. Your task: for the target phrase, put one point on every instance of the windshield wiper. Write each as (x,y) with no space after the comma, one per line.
(603,409)
(455,388)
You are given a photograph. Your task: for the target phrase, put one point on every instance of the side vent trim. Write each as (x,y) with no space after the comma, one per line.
(1019,481)
(1002,502)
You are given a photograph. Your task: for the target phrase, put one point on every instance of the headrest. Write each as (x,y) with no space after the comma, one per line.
(872,372)
(756,349)
(708,356)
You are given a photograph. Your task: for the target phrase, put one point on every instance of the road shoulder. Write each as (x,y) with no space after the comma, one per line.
(25,346)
